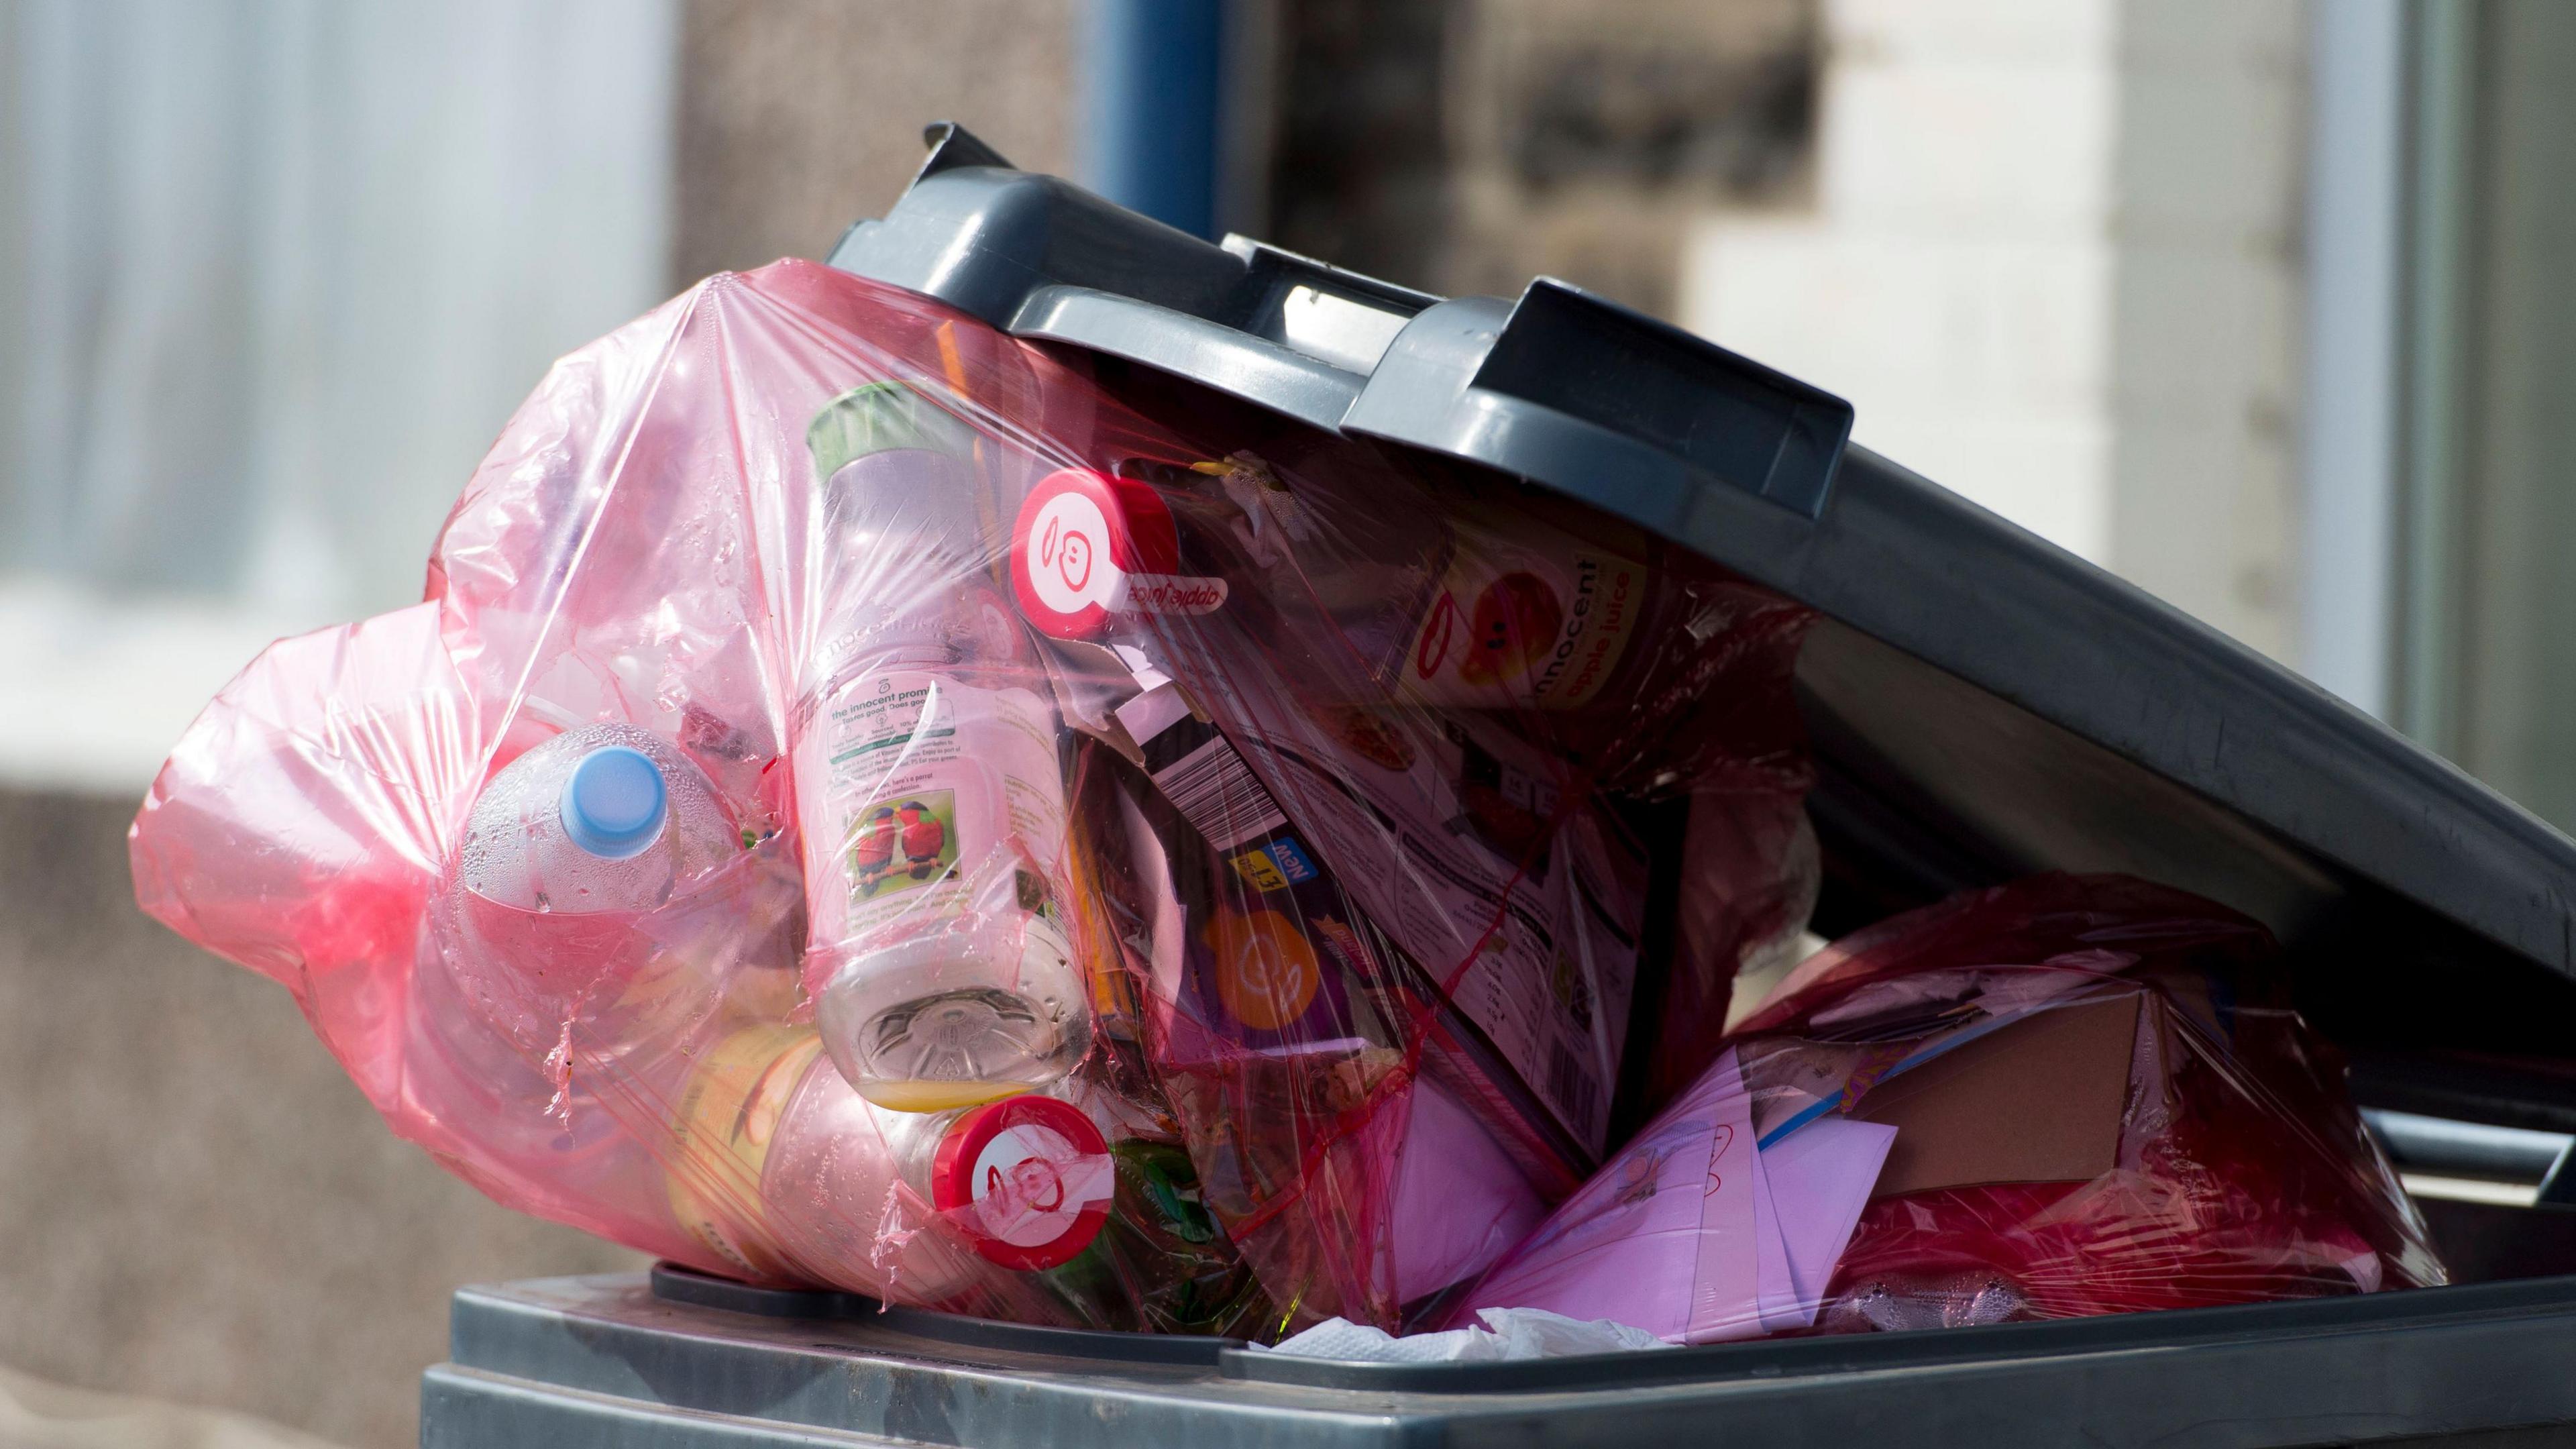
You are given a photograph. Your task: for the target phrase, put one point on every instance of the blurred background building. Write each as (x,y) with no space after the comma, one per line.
(2263,305)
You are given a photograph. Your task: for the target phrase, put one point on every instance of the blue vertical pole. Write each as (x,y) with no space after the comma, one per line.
(1153,72)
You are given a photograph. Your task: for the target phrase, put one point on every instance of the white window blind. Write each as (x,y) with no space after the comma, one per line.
(272,275)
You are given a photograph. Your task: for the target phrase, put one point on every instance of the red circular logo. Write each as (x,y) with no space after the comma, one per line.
(1027,1179)
(1078,536)
(1439,632)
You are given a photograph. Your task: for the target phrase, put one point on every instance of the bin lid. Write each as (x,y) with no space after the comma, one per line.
(1982,704)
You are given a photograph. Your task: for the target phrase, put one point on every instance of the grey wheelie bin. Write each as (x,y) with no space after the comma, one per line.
(1982,706)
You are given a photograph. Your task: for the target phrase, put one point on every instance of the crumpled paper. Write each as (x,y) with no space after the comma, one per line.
(1509,1333)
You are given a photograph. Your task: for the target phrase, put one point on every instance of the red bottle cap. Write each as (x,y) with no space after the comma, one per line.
(1028,1179)
(1088,545)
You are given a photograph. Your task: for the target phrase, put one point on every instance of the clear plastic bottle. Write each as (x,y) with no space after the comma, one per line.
(929,779)
(527,1126)
(603,916)
(567,856)
(1047,1206)
(605,818)
(778,1167)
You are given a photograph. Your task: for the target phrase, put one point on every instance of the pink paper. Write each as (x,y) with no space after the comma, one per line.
(1820,1178)
(1805,1194)
(1693,1234)
(1459,1202)
(1628,1246)
(1725,1296)
(1778,1298)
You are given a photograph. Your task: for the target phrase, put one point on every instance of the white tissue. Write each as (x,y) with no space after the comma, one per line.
(1509,1333)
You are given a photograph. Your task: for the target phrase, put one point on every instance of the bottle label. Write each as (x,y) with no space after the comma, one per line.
(1028,1180)
(1513,625)
(936,792)
(1267,972)
(1271,953)
(727,1116)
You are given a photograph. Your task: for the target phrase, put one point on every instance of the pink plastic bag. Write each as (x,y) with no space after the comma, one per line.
(2065,1096)
(864,803)
(2236,1169)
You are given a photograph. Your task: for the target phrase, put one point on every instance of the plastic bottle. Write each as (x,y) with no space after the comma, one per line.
(544,1138)
(1024,1204)
(607,817)
(929,779)
(567,851)
(602,912)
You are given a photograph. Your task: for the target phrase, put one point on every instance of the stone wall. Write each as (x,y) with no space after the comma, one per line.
(2053,260)
(1468,145)
(1588,137)
(797,117)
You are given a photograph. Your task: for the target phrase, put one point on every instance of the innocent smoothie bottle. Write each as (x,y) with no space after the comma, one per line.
(930,778)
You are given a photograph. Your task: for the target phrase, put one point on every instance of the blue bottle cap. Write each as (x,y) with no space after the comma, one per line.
(614,803)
